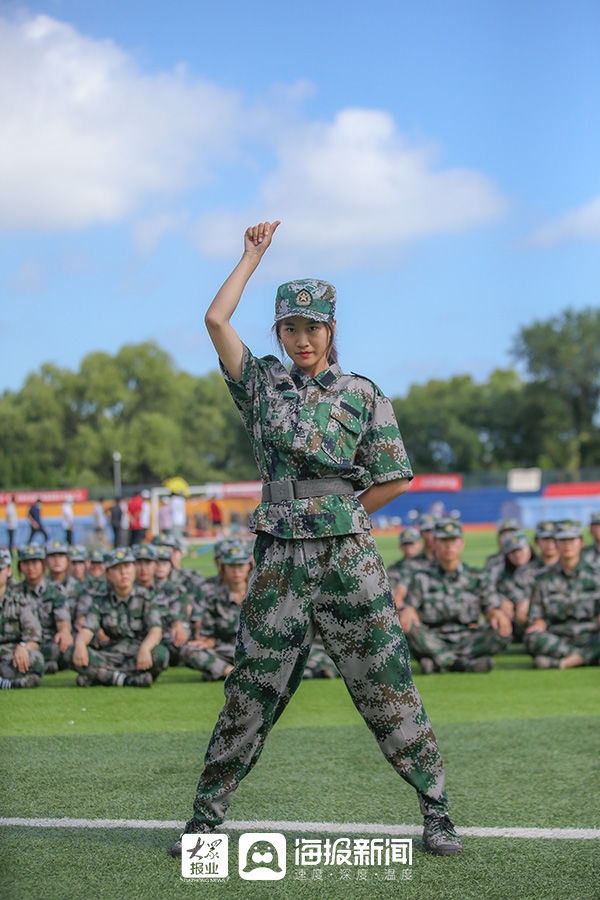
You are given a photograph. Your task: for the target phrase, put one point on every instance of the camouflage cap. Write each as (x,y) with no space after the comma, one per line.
(448,528)
(237,552)
(427,522)
(545,529)
(95,555)
(77,553)
(118,556)
(145,551)
(595,520)
(162,539)
(220,547)
(163,553)
(516,540)
(5,558)
(56,547)
(32,551)
(410,535)
(568,528)
(508,525)
(306,297)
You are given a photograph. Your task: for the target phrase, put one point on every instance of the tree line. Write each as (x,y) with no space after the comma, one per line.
(62,427)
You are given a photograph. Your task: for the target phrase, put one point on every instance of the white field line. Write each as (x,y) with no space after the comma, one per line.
(561,834)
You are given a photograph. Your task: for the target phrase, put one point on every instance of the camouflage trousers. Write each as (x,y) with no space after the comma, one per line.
(8,670)
(460,646)
(339,585)
(548,643)
(213,661)
(120,657)
(52,653)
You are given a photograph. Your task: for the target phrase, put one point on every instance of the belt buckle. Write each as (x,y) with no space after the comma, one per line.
(281,491)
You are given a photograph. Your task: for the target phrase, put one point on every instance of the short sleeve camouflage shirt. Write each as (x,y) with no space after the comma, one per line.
(221,616)
(51,605)
(131,618)
(450,600)
(330,426)
(18,618)
(569,604)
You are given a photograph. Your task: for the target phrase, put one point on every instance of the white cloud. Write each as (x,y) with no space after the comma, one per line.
(581,224)
(353,187)
(86,136)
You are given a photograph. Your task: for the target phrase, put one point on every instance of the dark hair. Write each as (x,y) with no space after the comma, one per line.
(332,353)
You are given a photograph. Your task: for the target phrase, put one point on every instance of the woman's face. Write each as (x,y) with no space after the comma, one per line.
(306,342)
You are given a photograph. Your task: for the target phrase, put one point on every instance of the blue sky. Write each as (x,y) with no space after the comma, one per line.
(437,162)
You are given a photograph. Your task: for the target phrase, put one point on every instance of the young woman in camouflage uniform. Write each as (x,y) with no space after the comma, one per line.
(318,436)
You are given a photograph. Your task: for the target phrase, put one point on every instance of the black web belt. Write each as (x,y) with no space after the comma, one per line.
(278,491)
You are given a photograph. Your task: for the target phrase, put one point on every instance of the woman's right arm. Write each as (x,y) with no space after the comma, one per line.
(225,339)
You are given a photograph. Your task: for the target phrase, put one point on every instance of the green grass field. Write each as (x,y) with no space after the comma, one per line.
(520,748)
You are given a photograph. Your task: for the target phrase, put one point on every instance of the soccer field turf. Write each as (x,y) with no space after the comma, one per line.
(520,748)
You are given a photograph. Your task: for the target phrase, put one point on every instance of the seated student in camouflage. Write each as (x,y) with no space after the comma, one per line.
(427,531)
(77,558)
(212,647)
(191,580)
(58,563)
(318,436)
(496,562)
(21,663)
(515,582)
(444,607)
(545,541)
(51,604)
(591,553)
(170,596)
(127,614)
(96,570)
(564,623)
(400,572)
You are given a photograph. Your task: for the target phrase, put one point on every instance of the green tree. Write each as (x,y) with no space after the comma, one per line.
(562,356)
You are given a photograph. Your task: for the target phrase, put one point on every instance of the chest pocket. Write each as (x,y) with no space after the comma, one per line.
(343,433)
(279,412)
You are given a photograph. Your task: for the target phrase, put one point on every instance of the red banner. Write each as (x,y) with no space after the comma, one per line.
(572,489)
(29,497)
(436,483)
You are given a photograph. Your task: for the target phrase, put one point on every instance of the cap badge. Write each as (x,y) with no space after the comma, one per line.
(303,298)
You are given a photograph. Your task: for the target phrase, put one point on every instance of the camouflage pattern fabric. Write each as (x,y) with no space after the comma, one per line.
(591,555)
(450,606)
(51,604)
(104,664)
(221,620)
(330,426)
(339,586)
(516,586)
(307,297)
(570,606)
(172,601)
(126,623)
(72,589)
(400,573)
(18,622)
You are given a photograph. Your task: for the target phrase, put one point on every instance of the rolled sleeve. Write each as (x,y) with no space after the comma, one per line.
(381,450)
(244,390)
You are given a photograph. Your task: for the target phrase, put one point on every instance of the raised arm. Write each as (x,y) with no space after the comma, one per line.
(225,339)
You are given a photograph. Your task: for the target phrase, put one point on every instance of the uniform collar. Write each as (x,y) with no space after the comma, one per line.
(325,379)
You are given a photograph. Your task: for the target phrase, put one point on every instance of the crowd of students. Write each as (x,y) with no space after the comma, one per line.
(121,617)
